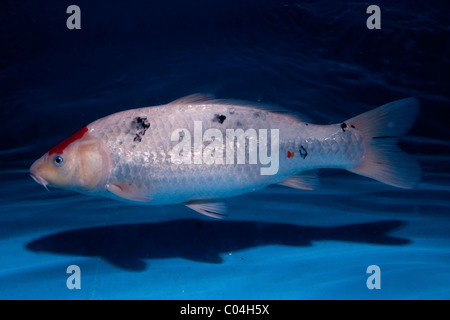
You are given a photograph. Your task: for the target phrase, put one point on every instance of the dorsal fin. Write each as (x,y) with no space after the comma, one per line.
(263,106)
(210,98)
(193,98)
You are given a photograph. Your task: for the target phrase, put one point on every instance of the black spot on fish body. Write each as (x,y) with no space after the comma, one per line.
(343,126)
(352,126)
(303,152)
(141,124)
(220,118)
(137,138)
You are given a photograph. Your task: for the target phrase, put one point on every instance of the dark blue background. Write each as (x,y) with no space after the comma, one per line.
(314,57)
(302,55)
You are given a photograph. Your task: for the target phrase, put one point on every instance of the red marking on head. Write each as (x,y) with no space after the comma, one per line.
(290,154)
(59,148)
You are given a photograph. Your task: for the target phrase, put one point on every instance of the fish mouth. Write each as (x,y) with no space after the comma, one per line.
(40,180)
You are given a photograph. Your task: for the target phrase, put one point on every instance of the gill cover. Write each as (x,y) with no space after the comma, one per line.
(78,163)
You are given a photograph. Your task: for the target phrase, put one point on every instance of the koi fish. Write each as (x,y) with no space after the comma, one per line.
(198,150)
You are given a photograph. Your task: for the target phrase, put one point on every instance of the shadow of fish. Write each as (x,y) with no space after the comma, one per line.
(126,246)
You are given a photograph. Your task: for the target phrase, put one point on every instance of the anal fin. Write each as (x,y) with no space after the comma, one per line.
(215,208)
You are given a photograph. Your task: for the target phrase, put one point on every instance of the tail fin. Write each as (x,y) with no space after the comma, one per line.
(381,129)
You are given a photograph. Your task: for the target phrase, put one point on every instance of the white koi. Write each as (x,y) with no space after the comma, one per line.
(198,150)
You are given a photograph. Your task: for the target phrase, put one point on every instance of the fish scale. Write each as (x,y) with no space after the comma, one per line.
(166,182)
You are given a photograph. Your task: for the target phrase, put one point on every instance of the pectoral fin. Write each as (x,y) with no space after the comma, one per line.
(122,190)
(212,208)
(305,181)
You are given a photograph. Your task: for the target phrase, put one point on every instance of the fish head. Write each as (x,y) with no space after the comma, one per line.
(79,163)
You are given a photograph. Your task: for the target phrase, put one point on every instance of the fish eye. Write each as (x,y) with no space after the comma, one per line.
(58,160)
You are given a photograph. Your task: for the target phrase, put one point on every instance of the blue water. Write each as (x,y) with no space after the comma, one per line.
(314,57)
